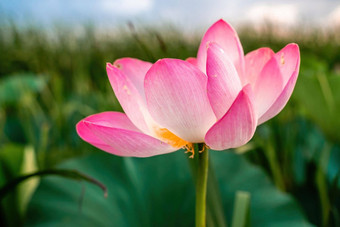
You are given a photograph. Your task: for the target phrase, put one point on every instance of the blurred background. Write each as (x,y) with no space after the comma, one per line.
(52,74)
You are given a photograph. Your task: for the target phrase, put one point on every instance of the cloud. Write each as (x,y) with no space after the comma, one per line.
(283,14)
(334,17)
(184,14)
(197,14)
(126,7)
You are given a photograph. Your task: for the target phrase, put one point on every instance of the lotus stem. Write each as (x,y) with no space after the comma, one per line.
(201,184)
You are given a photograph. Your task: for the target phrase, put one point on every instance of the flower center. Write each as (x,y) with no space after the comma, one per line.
(170,138)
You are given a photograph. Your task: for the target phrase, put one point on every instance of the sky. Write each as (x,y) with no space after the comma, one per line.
(186,14)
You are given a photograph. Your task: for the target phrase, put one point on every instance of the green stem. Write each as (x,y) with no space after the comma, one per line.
(321,183)
(201,186)
(275,167)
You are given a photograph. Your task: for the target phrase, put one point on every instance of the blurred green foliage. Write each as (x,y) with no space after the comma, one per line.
(50,79)
(144,189)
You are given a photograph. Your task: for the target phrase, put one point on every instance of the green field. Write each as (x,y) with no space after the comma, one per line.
(49,80)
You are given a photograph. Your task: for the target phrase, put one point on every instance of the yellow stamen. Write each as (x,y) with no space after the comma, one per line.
(170,138)
(190,148)
(204,148)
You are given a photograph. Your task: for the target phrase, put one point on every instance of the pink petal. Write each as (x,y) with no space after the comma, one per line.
(276,82)
(135,70)
(192,61)
(223,81)
(237,126)
(129,97)
(225,36)
(268,86)
(282,100)
(177,100)
(114,133)
(254,63)
(289,59)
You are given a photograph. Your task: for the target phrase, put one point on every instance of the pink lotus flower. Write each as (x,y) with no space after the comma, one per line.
(217,99)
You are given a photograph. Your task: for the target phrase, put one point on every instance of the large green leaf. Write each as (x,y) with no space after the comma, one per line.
(14,161)
(157,191)
(15,87)
(11,157)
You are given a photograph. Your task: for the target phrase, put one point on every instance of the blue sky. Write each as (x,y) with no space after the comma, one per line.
(181,13)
